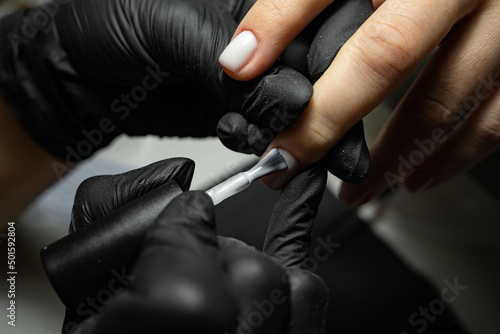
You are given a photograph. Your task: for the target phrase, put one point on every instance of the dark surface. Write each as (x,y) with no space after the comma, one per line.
(371,289)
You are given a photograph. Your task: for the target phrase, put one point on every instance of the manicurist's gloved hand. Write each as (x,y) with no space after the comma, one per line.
(183,277)
(319,42)
(77,73)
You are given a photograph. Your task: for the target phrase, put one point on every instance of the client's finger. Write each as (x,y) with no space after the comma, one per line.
(265,32)
(447,121)
(382,52)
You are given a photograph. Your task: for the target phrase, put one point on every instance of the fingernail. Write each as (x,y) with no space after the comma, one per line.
(355,195)
(419,182)
(280,179)
(239,51)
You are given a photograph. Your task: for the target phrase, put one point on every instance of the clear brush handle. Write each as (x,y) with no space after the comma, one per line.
(271,163)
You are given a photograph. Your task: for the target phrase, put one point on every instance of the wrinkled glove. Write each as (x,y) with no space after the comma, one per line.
(77,73)
(349,159)
(336,25)
(185,279)
(311,53)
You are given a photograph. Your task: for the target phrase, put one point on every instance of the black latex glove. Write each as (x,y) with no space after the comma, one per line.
(311,53)
(337,24)
(320,42)
(110,217)
(77,73)
(100,68)
(185,279)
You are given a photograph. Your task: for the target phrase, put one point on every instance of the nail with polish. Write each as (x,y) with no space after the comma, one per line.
(280,179)
(239,51)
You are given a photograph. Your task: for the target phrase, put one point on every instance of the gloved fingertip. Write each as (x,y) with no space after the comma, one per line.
(352,169)
(237,134)
(185,174)
(297,88)
(310,297)
(193,209)
(338,23)
(232,131)
(349,160)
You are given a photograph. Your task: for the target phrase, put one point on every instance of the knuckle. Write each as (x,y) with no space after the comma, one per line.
(387,43)
(434,109)
(276,7)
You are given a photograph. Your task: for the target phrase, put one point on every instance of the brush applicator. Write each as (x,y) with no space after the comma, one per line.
(273,162)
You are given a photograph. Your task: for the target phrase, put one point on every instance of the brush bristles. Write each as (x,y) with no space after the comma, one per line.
(271,163)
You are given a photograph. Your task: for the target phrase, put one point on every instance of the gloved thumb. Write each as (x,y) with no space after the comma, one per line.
(179,287)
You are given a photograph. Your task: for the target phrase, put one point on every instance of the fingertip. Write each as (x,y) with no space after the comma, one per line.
(238,53)
(264,33)
(191,208)
(247,55)
(279,180)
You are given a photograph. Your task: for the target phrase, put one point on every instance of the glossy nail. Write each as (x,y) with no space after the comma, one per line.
(280,179)
(239,51)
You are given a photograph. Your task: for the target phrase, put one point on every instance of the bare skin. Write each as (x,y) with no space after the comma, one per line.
(454,106)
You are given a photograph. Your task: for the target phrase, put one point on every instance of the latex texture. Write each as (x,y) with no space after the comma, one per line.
(184,278)
(77,73)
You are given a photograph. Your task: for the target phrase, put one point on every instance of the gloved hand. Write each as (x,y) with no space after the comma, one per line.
(311,53)
(185,279)
(77,73)
(336,25)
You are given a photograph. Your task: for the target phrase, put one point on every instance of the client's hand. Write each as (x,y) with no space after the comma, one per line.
(185,279)
(77,73)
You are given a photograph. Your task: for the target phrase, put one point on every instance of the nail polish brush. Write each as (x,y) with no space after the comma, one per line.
(273,162)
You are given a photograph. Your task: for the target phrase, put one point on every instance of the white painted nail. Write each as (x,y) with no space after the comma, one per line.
(239,51)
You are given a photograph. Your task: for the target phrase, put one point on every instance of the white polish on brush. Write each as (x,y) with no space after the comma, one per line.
(239,51)
(273,162)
